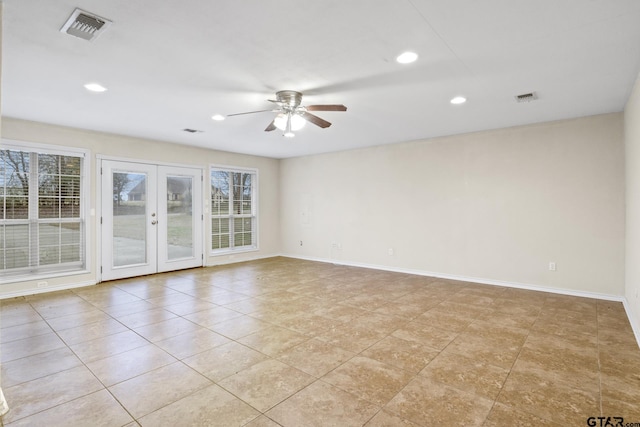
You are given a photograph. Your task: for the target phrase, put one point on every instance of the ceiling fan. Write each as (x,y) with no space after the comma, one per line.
(291,115)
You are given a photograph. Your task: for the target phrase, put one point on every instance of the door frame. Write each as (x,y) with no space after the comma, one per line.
(96,214)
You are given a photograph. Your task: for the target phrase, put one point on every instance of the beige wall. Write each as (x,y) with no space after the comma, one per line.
(632,157)
(494,206)
(154,151)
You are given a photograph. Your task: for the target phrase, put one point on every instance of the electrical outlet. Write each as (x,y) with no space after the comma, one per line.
(552,266)
(390,252)
(300,242)
(43,284)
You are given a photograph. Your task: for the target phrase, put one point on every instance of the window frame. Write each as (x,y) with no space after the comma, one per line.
(46,271)
(254,212)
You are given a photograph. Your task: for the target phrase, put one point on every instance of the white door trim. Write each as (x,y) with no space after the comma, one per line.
(198,201)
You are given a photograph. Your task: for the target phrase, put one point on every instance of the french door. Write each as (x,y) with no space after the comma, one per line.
(151,219)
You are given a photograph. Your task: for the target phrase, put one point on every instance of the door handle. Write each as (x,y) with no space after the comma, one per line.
(154,222)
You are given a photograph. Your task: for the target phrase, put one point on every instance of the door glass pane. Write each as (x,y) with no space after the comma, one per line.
(179,217)
(129,218)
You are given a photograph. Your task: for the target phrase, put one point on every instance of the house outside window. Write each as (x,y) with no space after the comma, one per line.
(233,209)
(42,211)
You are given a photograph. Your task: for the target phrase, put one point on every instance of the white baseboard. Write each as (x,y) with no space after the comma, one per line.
(226,258)
(585,294)
(479,280)
(561,291)
(239,257)
(32,291)
(634,322)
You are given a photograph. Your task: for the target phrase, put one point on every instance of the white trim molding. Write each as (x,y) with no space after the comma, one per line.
(634,324)
(52,288)
(607,297)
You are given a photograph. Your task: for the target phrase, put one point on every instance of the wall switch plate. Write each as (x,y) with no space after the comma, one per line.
(552,266)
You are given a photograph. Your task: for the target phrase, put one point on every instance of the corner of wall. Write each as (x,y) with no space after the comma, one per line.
(632,214)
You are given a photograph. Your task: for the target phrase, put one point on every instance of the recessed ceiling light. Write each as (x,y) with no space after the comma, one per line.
(459,100)
(95,87)
(217,117)
(407,57)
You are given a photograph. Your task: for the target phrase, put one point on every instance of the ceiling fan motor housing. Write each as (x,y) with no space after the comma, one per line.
(290,98)
(290,110)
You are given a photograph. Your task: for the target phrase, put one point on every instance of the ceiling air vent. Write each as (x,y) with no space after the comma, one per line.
(85,25)
(527,97)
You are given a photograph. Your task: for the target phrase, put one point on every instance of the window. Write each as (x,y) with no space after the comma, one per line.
(42,224)
(233,209)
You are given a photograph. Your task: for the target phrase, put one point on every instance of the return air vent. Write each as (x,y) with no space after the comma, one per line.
(85,25)
(527,97)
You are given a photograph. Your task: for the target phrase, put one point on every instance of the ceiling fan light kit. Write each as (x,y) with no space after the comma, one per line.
(292,116)
(289,120)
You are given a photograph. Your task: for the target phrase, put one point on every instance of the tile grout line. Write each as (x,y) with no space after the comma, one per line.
(514,362)
(599,362)
(99,300)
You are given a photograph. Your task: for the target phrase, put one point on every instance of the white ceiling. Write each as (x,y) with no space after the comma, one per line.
(170,65)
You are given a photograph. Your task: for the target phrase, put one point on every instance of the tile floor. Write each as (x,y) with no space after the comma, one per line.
(297,343)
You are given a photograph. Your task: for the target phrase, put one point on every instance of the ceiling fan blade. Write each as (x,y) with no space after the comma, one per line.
(272,126)
(315,120)
(332,107)
(249,112)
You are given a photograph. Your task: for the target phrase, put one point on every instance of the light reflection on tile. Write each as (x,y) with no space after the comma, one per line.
(323,405)
(129,364)
(290,342)
(99,408)
(369,379)
(39,365)
(206,407)
(30,346)
(266,384)
(46,392)
(149,392)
